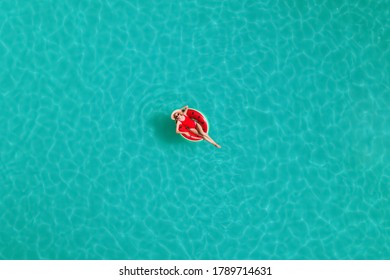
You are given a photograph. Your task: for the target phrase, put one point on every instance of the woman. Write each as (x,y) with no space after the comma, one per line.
(181,118)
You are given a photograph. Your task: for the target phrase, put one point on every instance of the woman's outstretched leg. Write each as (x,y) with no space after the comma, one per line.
(208,139)
(206,136)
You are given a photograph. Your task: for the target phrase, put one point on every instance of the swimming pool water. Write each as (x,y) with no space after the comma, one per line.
(296,92)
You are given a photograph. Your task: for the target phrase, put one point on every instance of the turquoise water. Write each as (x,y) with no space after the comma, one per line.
(296,92)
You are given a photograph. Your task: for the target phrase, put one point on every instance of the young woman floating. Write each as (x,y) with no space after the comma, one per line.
(182,119)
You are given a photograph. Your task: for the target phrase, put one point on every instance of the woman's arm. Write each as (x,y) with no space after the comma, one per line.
(177,128)
(185,109)
(181,132)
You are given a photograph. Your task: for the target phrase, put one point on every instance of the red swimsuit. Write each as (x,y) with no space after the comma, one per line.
(188,122)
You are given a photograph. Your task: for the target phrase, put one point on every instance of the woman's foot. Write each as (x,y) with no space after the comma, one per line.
(218,146)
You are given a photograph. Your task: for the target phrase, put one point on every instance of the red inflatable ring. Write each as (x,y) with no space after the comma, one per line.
(200,119)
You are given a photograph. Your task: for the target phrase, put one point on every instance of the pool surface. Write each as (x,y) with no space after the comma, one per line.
(296,92)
